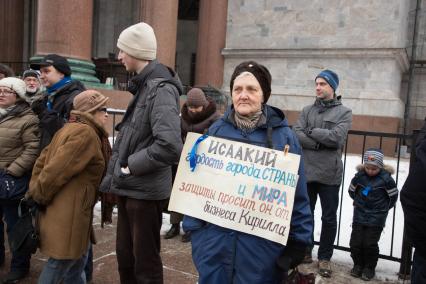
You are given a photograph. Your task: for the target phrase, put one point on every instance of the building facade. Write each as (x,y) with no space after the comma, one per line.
(368,43)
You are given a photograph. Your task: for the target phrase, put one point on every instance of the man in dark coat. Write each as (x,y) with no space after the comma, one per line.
(413,200)
(54,106)
(149,142)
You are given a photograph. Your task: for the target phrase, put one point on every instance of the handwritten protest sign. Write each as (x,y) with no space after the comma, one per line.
(237,186)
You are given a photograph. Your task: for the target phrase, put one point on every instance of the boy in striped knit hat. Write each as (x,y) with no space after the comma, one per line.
(374,193)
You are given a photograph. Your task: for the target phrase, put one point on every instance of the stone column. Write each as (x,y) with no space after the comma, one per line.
(211,40)
(65,27)
(11,33)
(162,15)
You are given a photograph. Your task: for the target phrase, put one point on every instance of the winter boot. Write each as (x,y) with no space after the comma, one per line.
(324,268)
(186,237)
(173,232)
(356,271)
(307,258)
(368,274)
(14,276)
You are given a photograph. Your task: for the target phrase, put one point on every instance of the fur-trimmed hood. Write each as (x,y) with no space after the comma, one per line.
(387,168)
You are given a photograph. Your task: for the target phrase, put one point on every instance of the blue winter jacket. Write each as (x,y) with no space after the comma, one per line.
(226,256)
(373,196)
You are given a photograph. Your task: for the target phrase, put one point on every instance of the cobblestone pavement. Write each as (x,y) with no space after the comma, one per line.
(177,262)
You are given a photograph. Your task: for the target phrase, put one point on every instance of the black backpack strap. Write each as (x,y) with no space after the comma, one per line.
(269,138)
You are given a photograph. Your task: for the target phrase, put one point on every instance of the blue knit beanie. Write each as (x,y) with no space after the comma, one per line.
(331,78)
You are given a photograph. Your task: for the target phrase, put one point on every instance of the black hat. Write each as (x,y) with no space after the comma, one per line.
(259,71)
(60,63)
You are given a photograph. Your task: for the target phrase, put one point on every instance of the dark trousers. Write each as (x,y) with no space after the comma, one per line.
(418,273)
(329,198)
(364,245)
(2,248)
(175,218)
(9,214)
(138,240)
(88,267)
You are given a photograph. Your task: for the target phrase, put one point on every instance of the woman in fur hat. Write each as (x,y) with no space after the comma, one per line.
(198,113)
(374,193)
(64,182)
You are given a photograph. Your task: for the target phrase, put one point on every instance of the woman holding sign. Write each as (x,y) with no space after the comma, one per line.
(223,255)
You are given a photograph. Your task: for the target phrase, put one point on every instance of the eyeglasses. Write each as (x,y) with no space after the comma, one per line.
(104,109)
(6,92)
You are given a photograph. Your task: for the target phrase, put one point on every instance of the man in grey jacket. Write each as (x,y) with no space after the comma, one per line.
(322,129)
(148,143)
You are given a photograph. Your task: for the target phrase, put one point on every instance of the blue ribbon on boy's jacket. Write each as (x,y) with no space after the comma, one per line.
(366,190)
(13,188)
(193,153)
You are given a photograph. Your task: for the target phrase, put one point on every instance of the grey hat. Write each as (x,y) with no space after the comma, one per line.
(31,73)
(373,157)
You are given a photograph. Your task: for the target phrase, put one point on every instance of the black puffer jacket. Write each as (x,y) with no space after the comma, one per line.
(53,120)
(413,197)
(373,196)
(149,141)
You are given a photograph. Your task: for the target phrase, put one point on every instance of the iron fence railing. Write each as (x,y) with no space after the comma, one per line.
(395,148)
(392,144)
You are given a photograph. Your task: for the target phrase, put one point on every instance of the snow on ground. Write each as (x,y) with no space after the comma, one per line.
(386,270)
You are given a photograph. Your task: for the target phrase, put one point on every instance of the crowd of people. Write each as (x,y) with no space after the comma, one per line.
(55,154)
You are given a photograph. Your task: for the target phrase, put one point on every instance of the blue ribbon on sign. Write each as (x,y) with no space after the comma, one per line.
(193,154)
(366,190)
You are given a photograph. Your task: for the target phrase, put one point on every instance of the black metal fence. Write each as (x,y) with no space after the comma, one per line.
(392,244)
(115,113)
(393,145)
(377,140)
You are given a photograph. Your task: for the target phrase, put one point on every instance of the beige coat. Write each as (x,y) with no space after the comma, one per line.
(19,140)
(65,179)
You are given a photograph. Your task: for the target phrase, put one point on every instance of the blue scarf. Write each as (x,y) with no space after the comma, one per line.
(52,89)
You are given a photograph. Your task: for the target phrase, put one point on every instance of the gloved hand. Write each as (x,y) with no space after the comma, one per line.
(29,202)
(38,106)
(32,205)
(292,256)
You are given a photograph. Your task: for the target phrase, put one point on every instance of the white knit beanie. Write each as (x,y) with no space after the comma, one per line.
(138,41)
(15,84)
